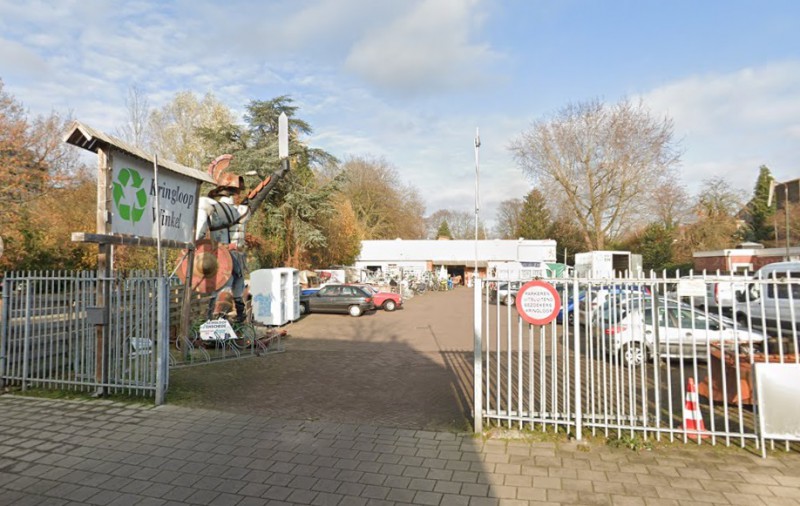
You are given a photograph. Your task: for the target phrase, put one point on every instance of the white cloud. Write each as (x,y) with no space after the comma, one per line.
(731,124)
(427,48)
(401,80)
(21,61)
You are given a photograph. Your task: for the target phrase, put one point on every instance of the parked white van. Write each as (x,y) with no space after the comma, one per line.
(722,291)
(773,298)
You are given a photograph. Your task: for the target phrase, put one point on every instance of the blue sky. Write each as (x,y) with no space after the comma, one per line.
(411,80)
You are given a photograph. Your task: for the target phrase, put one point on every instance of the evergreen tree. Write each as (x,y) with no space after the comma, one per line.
(290,226)
(535,221)
(655,246)
(759,213)
(444,231)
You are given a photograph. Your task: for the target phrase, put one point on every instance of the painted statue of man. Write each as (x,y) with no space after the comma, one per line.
(224,215)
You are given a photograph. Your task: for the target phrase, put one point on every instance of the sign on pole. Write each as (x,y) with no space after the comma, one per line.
(538,302)
(134,206)
(135,191)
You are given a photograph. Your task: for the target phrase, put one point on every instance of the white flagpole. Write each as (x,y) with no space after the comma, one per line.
(477,196)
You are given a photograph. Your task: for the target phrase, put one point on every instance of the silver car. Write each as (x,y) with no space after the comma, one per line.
(505,293)
(681,331)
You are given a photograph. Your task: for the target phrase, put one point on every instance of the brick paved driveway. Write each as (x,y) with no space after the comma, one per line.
(410,368)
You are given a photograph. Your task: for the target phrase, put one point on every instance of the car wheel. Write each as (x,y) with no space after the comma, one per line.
(355,311)
(303,308)
(634,354)
(511,300)
(389,305)
(571,318)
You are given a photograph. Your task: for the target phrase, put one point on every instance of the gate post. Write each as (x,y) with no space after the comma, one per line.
(477,366)
(26,345)
(576,345)
(162,340)
(4,322)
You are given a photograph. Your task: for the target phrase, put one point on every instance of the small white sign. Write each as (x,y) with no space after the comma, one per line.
(691,288)
(217,330)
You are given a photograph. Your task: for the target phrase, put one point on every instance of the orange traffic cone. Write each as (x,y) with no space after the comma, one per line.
(692,417)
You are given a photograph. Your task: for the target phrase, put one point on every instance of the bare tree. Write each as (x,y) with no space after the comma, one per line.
(460,223)
(599,161)
(135,129)
(671,204)
(716,225)
(175,128)
(508,218)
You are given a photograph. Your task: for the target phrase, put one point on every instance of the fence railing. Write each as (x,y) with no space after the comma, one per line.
(120,334)
(628,356)
(80,331)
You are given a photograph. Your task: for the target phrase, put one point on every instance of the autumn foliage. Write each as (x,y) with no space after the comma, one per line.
(45,194)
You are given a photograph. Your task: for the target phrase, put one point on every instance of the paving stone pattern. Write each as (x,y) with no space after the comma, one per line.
(59,452)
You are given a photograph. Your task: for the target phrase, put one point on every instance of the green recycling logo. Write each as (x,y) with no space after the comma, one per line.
(129,211)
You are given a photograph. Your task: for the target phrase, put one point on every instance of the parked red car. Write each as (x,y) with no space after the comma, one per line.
(383,300)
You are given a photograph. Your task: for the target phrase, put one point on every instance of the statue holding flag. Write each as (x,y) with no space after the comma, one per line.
(222,216)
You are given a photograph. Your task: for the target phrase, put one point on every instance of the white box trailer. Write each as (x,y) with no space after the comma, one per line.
(516,271)
(607,264)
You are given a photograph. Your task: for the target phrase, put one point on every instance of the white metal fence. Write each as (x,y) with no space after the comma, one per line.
(79,331)
(648,357)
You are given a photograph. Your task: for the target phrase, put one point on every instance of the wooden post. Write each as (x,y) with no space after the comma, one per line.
(186,307)
(104,263)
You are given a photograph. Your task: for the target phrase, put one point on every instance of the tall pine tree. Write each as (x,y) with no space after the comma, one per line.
(444,231)
(535,221)
(759,213)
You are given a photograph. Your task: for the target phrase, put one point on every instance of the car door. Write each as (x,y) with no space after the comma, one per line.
(668,336)
(691,331)
(324,301)
(350,295)
(696,331)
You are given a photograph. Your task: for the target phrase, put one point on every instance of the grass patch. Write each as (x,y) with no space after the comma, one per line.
(634,442)
(77,395)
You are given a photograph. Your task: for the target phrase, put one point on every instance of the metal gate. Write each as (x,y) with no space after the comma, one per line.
(83,332)
(632,357)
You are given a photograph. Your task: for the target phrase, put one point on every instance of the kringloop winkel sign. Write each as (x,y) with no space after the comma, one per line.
(134,208)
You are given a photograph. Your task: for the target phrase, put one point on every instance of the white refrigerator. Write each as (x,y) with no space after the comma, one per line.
(276,295)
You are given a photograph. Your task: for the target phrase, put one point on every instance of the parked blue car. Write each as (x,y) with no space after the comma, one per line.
(567,306)
(567,303)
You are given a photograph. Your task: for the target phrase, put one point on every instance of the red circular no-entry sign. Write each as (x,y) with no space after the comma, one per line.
(538,302)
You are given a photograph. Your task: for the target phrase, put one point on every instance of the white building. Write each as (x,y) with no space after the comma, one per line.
(457,257)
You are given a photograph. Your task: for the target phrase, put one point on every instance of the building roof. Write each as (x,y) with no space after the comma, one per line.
(755,252)
(454,252)
(90,139)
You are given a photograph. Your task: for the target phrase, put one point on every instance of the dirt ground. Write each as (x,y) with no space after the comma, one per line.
(410,368)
